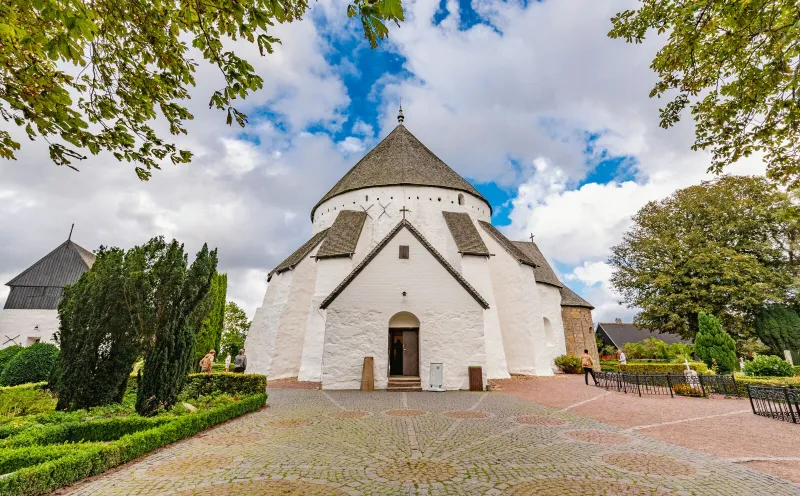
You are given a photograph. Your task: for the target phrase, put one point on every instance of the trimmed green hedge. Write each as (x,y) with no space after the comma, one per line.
(93,430)
(18,458)
(662,368)
(6,354)
(88,460)
(743,381)
(31,364)
(234,384)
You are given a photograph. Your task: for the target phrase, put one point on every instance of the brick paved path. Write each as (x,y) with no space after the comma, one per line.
(340,443)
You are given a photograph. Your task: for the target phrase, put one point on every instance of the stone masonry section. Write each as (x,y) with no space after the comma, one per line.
(351,443)
(579,332)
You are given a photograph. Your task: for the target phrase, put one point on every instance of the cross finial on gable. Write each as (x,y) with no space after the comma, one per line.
(400,117)
(404,210)
(532,236)
(70,232)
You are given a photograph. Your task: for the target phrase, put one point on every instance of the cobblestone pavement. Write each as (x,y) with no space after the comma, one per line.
(351,443)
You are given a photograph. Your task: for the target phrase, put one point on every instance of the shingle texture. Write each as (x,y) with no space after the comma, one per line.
(462,229)
(619,334)
(299,254)
(543,272)
(400,159)
(40,286)
(570,299)
(382,244)
(343,235)
(506,243)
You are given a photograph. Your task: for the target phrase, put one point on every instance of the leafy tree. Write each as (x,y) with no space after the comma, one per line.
(737,66)
(178,291)
(91,76)
(32,364)
(715,346)
(236,327)
(778,327)
(724,247)
(213,307)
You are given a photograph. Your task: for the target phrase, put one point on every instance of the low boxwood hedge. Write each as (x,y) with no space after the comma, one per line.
(87,460)
(12,459)
(743,381)
(74,432)
(234,384)
(662,368)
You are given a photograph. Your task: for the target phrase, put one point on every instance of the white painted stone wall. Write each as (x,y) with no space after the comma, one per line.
(357,322)
(425,204)
(476,271)
(515,297)
(330,273)
(552,343)
(22,323)
(260,342)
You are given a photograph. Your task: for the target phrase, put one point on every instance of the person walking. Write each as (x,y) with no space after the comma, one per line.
(227,362)
(240,364)
(207,362)
(587,364)
(623,360)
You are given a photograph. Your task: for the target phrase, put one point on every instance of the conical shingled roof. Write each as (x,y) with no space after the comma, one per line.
(400,159)
(59,268)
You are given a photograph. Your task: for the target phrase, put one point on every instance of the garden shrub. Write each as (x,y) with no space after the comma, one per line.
(662,368)
(234,384)
(743,381)
(31,364)
(768,366)
(88,460)
(715,346)
(90,431)
(12,459)
(25,400)
(569,364)
(6,354)
(796,369)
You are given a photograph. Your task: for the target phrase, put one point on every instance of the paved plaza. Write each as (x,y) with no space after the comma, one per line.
(349,443)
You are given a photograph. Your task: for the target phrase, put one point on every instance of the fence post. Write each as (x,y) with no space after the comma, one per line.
(750,396)
(702,388)
(669,385)
(638,387)
(735,386)
(789,404)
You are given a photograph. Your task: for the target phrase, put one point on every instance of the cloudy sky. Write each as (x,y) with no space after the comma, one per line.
(548,117)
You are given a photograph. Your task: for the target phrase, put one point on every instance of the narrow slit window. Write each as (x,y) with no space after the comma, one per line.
(404,252)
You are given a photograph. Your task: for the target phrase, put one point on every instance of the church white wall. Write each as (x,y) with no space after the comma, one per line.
(22,323)
(260,342)
(330,273)
(516,300)
(552,344)
(425,204)
(476,271)
(357,321)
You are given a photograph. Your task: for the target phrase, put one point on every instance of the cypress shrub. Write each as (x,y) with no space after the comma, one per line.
(32,364)
(715,346)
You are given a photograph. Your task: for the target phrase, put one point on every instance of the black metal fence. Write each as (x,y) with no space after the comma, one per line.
(782,403)
(668,384)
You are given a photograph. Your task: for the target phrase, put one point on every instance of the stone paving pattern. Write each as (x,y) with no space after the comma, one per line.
(351,443)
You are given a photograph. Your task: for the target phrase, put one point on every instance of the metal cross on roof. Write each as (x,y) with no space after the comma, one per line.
(532,236)
(400,117)
(404,210)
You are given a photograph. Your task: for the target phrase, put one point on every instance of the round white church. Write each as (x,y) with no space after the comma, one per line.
(404,266)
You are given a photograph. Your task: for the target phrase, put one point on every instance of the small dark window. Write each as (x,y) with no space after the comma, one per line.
(366,197)
(404,252)
(460,199)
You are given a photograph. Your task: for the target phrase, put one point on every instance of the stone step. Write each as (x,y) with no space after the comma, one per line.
(403,378)
(404,389)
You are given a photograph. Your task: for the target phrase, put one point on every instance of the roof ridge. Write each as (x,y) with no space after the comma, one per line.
(68,245)
(506,243)
(382,244)
(297,256)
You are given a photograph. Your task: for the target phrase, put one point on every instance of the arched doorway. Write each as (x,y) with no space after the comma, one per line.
(404,345)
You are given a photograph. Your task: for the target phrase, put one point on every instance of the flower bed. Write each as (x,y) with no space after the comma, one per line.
(40,453)
(686,390)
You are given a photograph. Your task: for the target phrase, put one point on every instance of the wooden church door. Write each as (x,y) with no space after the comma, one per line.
(411,353)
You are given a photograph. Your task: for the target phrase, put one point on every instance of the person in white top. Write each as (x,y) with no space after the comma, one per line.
(227,362)
(622,358)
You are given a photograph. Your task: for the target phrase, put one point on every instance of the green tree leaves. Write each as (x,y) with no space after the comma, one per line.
(714,346)
(132,65)
(737,66)
(778,326)
(724,247)
(236,327)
